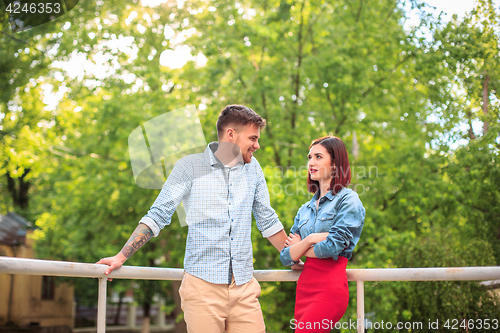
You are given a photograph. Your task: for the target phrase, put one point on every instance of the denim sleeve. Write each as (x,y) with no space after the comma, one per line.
(285,257)
(178,184)
(267,220)
(350,217)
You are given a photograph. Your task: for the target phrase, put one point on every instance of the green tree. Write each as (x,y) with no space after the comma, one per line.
(311,68)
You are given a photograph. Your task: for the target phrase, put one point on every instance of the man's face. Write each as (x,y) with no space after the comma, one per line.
(247,138)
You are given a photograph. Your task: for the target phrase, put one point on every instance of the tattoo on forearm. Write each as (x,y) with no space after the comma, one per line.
(141,236)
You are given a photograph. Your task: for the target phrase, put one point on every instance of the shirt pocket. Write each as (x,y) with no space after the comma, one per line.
(325,222)
(302,223)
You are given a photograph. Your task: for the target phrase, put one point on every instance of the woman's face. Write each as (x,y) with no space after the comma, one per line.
(320,164)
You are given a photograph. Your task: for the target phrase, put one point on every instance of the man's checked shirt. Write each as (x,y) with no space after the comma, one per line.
(219,202)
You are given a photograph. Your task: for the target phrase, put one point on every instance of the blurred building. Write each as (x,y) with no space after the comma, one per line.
(28,300)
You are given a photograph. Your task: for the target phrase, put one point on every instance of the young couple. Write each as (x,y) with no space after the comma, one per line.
(220,189)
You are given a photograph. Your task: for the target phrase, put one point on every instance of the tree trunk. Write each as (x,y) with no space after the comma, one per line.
(146,320)
(471,130)
(355,147)
(485,102)
(118,310)
(18,188)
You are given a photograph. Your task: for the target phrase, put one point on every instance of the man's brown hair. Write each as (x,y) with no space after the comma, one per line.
(238,116)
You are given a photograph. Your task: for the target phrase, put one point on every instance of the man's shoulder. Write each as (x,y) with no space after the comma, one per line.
(254,164)
(254,161)
(190,159)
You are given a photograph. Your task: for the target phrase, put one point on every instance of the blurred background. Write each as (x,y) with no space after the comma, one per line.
(410,86)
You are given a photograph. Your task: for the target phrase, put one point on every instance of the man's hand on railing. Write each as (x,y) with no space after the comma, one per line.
(113,263)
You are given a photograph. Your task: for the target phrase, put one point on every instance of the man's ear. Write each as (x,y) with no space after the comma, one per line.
(230,133)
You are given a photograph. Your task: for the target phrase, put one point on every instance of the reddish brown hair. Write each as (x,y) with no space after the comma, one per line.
(238,116)
(338,153)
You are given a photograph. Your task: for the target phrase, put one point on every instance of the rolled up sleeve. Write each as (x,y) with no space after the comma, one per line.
(286,258)
(175,188)
(348,223)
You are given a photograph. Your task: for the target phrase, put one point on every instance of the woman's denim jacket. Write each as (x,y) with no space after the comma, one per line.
(341,215)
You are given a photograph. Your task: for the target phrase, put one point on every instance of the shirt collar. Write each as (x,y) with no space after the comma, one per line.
(328,195)
(210,157)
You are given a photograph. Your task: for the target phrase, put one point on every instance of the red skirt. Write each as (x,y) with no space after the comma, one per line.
(322,295)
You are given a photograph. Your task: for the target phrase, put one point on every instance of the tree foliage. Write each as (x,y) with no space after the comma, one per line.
(419,114)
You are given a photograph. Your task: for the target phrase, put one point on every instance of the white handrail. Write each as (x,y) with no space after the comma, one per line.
(9,265)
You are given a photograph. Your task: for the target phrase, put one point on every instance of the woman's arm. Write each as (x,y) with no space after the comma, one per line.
(346,227)
(310,253)
(297,250)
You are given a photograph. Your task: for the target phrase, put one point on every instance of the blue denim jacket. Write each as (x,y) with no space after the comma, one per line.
(342,215)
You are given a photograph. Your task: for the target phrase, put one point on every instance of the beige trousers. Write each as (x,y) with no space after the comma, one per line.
(217,308)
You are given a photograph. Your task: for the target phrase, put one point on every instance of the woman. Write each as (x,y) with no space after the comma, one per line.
(325,230)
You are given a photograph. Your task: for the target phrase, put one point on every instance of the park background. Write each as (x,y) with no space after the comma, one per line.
(413,94)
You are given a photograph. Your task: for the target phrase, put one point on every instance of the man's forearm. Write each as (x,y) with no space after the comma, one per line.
(142,234)
(278,240)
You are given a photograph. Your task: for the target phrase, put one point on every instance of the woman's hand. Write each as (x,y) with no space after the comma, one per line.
(316,237)
(292,239)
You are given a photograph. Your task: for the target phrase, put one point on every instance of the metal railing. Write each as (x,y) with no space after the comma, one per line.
(10,265)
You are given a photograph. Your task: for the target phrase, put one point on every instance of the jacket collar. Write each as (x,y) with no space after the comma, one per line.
(328,195)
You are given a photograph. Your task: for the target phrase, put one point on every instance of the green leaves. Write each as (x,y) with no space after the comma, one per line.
(445,247)
(411,106)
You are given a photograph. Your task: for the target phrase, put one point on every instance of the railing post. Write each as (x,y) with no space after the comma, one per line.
(101,306)
(360,295)
(131,315)
(161,314)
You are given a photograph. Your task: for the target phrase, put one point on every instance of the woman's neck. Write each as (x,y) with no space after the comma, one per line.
(323,187)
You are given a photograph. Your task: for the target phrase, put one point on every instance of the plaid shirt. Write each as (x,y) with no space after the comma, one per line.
(219,202)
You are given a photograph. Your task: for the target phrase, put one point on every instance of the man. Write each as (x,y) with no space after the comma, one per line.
(220,189)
